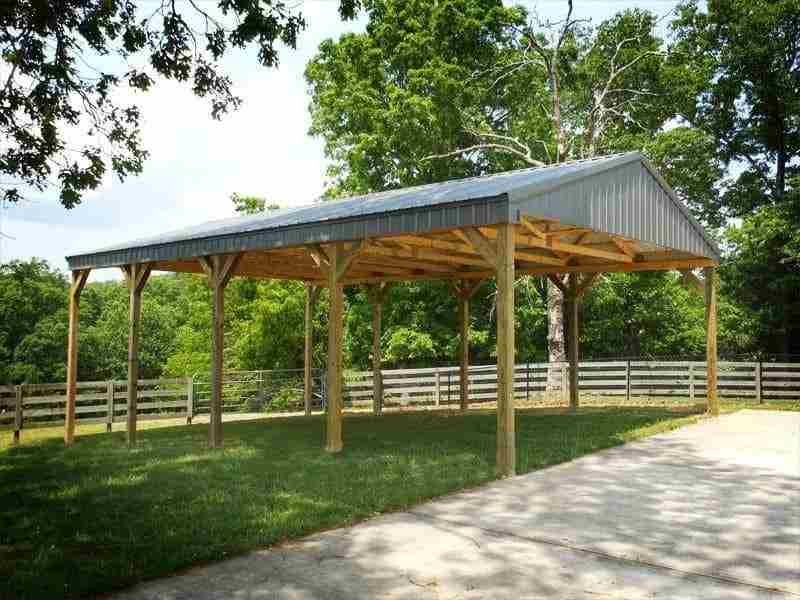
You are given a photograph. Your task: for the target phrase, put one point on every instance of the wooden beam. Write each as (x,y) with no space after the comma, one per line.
(312,294)
(136,276)
(568,231)
(506,444)
(557,245)
(424,254)
(649,265)
(338,255)
(480,244)
(79,277)
(219,268)
(346,258)
(319,257)
(572,301)
(712,400)
(624,246)
(376,294)
(464,289)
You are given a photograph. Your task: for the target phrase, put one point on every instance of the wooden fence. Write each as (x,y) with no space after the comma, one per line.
(620,382)
(96,402)
(602,382)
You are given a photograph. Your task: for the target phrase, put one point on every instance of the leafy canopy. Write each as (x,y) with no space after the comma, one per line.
(66,66)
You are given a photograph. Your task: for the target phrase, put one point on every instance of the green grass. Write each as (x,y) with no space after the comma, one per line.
(97,516)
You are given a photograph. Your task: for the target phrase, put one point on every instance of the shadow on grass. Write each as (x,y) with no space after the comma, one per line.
(98,516)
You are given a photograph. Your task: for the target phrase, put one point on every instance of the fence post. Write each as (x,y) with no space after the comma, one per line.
(759,396)
(691,382)
(628,381)
(189,400)
(109,405)
(564,387)
(437,394)
(18,413)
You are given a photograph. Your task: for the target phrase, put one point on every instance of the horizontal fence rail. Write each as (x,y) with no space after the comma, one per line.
(280,391)
(599,382)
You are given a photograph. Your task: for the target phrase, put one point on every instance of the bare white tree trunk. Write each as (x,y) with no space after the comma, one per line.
(556,348)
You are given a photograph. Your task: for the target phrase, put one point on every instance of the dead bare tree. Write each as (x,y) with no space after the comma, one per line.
(577,129)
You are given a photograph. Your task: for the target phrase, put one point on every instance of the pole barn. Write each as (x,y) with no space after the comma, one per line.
(569,222)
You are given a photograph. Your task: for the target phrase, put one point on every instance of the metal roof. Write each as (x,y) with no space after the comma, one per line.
(619,194)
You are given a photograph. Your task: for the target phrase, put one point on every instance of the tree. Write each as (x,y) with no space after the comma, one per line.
(251,205)
(30,292)
(749,56)
(398,106)
(747,64)
(383,99)
(68,63)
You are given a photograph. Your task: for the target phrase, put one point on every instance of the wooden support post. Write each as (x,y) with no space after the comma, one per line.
(437,392)
(110,405)
(136,276)
(506,438)
(18,414)
(575,289)
(78,282)
(219,269)
(691,383)
(465,290)
(712,401)
(312,293)
(572,340)
(376,294)
(339,260)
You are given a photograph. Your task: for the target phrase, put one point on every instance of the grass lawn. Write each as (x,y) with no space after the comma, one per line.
(97,516)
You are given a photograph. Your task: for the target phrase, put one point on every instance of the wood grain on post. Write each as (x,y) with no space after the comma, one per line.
(78,282)
(333,442)
(376,294)
(219,269)
(712,401)
(464,289)
(136,276)
(312,293)
(572,340)
(463,351)
(339,260)
(506,444)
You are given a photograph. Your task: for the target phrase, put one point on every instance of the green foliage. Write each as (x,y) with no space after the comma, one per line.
(408,347)
(65,64)
(33,300)
(749,97)
(288,398)
(764,272)
(384,99)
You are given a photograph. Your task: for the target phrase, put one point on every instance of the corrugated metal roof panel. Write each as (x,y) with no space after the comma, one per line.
(598,193)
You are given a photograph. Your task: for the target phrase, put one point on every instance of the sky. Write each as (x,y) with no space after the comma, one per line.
(196,163)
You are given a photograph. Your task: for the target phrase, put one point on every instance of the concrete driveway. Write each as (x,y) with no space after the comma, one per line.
(711,511)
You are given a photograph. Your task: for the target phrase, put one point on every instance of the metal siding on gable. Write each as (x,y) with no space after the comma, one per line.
(626,201)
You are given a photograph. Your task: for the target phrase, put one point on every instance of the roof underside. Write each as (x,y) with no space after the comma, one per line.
(607,214)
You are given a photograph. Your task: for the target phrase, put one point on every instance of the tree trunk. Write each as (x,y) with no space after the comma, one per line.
(555,335)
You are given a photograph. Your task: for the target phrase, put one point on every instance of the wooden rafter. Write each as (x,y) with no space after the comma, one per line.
(554,244)
(480,244)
